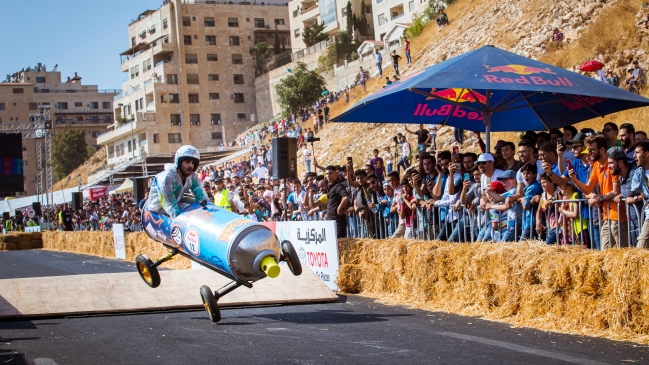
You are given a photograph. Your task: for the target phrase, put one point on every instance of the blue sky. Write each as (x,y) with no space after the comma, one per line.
(85,36)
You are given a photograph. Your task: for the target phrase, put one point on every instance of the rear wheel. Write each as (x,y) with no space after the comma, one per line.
(290,255)
(210,304)
(147,271)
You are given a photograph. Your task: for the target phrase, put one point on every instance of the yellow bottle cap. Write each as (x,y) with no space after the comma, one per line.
(269,266)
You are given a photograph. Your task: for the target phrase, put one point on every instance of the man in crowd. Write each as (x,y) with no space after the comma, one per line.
(508,151)
(405,152)
(337,201)
(423,137)
(362,77)
(378,57)
(377,163)
(395,61)
(609,186)
(627,140)
(65,218)
(610,131)
(489,174)
(640,188)
(624,170)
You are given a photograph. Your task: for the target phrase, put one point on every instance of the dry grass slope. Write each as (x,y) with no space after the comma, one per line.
(563,289)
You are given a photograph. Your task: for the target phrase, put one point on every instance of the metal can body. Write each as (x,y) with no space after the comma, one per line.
(216,238)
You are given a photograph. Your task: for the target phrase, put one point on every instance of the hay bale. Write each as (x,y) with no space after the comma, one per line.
(101,244)
(567,289)
(37,243)
(10,246)
(12,238)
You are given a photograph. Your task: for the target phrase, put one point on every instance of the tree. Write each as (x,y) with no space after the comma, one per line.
(260,53)
(350,19)
(68,151)
(314,35)
(344,37)
(360,23)
(299,90)
(277,46)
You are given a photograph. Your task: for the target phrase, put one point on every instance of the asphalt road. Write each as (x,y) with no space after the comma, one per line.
(356,330)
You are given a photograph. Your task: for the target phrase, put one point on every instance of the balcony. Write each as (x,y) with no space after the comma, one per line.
(141,123)
(163,48)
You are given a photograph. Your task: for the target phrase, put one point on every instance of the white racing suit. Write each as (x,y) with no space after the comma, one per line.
(167,190)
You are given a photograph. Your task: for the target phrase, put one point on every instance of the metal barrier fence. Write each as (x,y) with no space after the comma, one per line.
(589,226)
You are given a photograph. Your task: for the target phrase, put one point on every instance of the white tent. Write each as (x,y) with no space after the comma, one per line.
(126,186)
(60,197)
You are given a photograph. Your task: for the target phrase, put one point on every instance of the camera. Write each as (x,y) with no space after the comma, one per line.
(312,139)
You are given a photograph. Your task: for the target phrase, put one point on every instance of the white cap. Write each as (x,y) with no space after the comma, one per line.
(484,157)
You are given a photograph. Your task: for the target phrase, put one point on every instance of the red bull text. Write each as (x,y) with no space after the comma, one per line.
(444,110)
(525,79)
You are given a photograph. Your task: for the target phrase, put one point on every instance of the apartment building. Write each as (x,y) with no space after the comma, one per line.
(190,76)
(392,17)
(70,103)
(306,13)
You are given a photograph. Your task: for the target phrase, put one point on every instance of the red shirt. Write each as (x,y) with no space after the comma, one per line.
(407,46)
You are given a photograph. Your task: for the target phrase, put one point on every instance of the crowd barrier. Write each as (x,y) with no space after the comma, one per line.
(467,225)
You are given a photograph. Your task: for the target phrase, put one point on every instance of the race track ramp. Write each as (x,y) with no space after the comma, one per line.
(126,292)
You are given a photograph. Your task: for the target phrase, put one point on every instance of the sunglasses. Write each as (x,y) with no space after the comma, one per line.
(606,130)
(574,147)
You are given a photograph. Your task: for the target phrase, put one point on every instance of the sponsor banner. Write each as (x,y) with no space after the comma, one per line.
(32,229)
(98,192)
(118,237)
(316,245)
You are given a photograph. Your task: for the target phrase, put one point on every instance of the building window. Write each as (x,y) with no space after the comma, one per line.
(193,98)
(259,23)
(175,119)
(194,119)
(238,98)
(238,78)
(234,41)
(94,105)
(382,19)
(93,119)
(135,71)
(78,104)
(279,21)
(295,13)
(146,65)
(260,39)
(210,40)
(33,106)
(187,40)
(214,96)
(107,119)
(212,58)
(133,41)
(174,138)
(40,79)
(237,59)
(209,21)
(62,105)
(78,118)
(368,9)
(20,90)
(192,78)
(241,116)
(105,104)
(297,33)
(217,135)
(411,6)
(233,22)
(215,119)
(165,24)
(45,91)
(186,21)
(191,58)
(2,106)
(172,79)
(174,98)
(213,77)
(156,137)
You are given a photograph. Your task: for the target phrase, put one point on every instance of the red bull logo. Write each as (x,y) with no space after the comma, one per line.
(423,110)
(459,95)
(525,79)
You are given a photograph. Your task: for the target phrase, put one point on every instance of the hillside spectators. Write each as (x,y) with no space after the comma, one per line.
(423,137)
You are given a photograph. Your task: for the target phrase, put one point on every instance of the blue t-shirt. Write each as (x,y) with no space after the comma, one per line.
(583,174)
(529,192)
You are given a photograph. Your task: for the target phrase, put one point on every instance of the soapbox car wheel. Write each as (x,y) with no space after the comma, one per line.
(293,261)
(210,303)
(147,271)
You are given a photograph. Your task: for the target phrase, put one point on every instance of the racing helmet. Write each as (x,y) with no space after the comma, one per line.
(187,152)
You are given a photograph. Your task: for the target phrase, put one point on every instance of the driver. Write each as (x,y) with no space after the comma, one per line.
(169,186)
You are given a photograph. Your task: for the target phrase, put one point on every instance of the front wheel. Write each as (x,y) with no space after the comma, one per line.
(293,261)
(210,304)
(147,271)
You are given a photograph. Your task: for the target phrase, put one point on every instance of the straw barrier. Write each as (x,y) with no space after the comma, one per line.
(20,241)
(99,243)
(565,289)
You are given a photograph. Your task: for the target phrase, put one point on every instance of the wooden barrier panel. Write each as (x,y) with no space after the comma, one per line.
(126,292)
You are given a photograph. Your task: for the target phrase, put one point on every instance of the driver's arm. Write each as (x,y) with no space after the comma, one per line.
(168,198)
(197,188)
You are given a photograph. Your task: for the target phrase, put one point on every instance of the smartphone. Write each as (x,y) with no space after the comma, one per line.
(569,165)
(488,181)
(455,150)
(251,193)
(349,159)
(559,140)
(457,166)
(467,177)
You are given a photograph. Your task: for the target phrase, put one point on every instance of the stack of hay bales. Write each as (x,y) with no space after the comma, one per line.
(567,289)
(101,244)
(20,241)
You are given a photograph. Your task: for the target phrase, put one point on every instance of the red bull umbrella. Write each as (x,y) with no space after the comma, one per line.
(490,89)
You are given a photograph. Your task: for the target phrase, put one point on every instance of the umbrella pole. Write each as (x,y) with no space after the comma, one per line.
(488,134)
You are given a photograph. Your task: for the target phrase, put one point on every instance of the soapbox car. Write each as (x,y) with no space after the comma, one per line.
(238,248)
